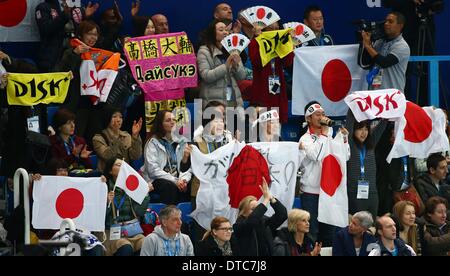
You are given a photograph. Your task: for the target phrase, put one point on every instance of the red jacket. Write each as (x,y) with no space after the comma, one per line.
(260,95)
(60,151)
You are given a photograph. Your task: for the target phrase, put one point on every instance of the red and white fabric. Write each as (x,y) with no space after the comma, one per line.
(132,183)
(326,74)
(81,199)
(419,133)
(17,20)
(369,105)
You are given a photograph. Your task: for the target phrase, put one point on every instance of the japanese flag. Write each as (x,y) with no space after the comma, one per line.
(326,74)
(81,199)
(419,133)
(17,20)
(132,183)
(333,200)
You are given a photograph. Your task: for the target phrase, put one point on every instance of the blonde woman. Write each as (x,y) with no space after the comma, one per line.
(294,240)
(255,231)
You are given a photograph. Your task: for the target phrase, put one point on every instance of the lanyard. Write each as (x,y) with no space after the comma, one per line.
(118,206)
(272,65)
(405,169)
(362,157)
(169,249)
(67,146)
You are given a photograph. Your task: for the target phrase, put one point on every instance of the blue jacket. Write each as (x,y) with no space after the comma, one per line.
(343,243)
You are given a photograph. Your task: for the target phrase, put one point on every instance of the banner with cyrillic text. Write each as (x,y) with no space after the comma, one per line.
(162,62)
(33,89)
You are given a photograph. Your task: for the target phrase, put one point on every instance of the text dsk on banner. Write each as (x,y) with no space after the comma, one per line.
(33,89)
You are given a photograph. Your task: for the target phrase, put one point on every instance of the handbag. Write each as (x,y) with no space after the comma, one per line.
(410,194)
(39,146)
(129,228)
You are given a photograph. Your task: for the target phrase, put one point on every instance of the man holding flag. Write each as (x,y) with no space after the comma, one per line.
(125,206)
(323,181)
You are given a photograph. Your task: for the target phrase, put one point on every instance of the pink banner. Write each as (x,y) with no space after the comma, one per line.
(162,64)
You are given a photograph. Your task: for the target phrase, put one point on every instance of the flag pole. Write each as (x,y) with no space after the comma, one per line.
(115,183)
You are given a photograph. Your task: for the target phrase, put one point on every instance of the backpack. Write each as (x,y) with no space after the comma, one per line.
(151,220)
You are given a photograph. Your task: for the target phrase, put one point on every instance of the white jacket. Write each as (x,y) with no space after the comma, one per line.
(156,159)
(315,150)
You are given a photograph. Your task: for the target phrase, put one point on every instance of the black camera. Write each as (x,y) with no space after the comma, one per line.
(376,28)
(434,6)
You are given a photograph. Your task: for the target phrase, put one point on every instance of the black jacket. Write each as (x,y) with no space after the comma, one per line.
(51,21)
(285,245)
(426,188)
(255,232)
(401,247)
(209,247)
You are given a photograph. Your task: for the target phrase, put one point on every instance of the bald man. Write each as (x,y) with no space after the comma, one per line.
(223,11)
(161,24)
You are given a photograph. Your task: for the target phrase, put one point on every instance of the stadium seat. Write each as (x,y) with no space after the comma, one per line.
(156,206)
(94,161)
(137,164)
(186,210)
(297,203)
(51,110)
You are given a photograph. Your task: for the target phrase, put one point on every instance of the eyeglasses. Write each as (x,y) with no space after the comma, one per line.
(226,229)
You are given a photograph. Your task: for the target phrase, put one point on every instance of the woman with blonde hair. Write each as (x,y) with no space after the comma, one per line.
(405,214)
(254,230)
(219,241)
(294,239)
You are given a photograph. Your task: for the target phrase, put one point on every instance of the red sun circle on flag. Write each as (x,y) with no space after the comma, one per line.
(299,30)
(336,80)
(331,175)
(422,127)
(70,203)
(235,40)
(12,12)
(132,183)
(261,13)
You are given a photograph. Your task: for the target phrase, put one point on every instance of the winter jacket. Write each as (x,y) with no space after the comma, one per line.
(215,77)
(343,244)
(436,240)
(124,146)
(285,245)
(158,244)
(62,151)
(403,250)
(255,232)
(156,158)
(51,21)
(209,247)
(426,188)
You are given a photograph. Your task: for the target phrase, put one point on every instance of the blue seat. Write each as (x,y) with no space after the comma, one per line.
(137,164)
(94,160)
(297,203)
(186,210)
(156,206)
(51,110)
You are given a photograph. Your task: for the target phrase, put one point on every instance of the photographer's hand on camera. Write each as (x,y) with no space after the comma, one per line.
(367,43)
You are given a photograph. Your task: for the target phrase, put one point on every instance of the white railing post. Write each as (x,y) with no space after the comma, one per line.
(26,199)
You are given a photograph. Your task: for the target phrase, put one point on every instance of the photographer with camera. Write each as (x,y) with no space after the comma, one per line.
(387,58)
(314,142)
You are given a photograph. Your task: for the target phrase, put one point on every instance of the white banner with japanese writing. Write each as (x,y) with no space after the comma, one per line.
(235,171)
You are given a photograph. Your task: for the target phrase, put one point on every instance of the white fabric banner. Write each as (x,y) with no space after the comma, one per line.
(97,84)
(326,74)
(222,188)
(81,199)
(17,20)
(419,133)
(333,199)
(369,105)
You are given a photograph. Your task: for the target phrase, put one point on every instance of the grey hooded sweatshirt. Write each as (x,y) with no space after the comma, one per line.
(158,244)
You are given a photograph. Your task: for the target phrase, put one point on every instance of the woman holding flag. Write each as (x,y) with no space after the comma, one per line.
(121,210)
